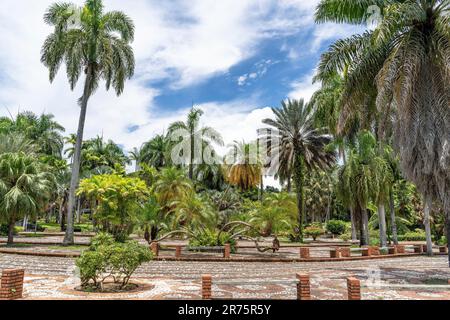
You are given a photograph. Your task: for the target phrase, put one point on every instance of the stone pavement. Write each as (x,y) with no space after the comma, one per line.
(53,278)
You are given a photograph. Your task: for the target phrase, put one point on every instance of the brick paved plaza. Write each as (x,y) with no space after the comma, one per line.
(401,278)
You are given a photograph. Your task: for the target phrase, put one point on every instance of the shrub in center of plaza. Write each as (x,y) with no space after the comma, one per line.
(336,227)
(314,232)
(109,262)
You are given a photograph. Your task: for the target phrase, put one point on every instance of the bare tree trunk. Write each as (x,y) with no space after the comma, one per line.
(69,237)
(428,203)
(353,221)
(382,224)
(393,222)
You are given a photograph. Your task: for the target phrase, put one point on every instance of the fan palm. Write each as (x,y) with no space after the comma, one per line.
(297,140)
(406,58)
(14,143)
(24,185)
(194,139)
(96,44)
(42,131)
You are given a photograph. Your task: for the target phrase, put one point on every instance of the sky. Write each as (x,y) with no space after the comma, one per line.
(235,59)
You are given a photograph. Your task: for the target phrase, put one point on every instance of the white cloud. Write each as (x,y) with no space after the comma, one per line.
(304,88)
(183,42)
(242,79)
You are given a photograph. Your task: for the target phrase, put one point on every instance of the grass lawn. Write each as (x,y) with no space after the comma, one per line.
(16,245)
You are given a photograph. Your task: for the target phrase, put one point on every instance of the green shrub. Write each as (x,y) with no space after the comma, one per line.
(417,235)
(346,236)
(4,229)
(107,259)
(211,238)
(337,227)
(442,241)
(314,232)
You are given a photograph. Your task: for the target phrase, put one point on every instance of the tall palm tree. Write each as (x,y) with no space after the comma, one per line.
(245,171)
(98,45)
(301,142)
(24,185)
(366,177)
(195,138)
(406,58)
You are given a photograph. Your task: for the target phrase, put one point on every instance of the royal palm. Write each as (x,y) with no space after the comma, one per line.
(95,44)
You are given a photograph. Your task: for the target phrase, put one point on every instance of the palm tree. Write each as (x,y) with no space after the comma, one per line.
(24,185)
(366,177)
(211,176)
(245,169)
(172,185)
(44,132)
(194,211)
(152,219)
(98,45)
(136,155)
(355,183)
(156,152)
(195,138)
(406,58)
(273,214)
(70,150)
(14,143)
(300,142)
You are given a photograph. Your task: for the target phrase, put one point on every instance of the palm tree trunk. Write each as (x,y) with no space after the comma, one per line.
(289,185)
(328,215)
(78,209)
(261,189)
(428,203)
(365,227)
(12,223)
(353,222)
(298,180)
(448,234)
(191,160)
(352,211)
(69,238)
(393,222)
(382,224)
(25,223)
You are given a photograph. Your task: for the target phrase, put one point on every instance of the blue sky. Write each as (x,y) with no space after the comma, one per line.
(233,59)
